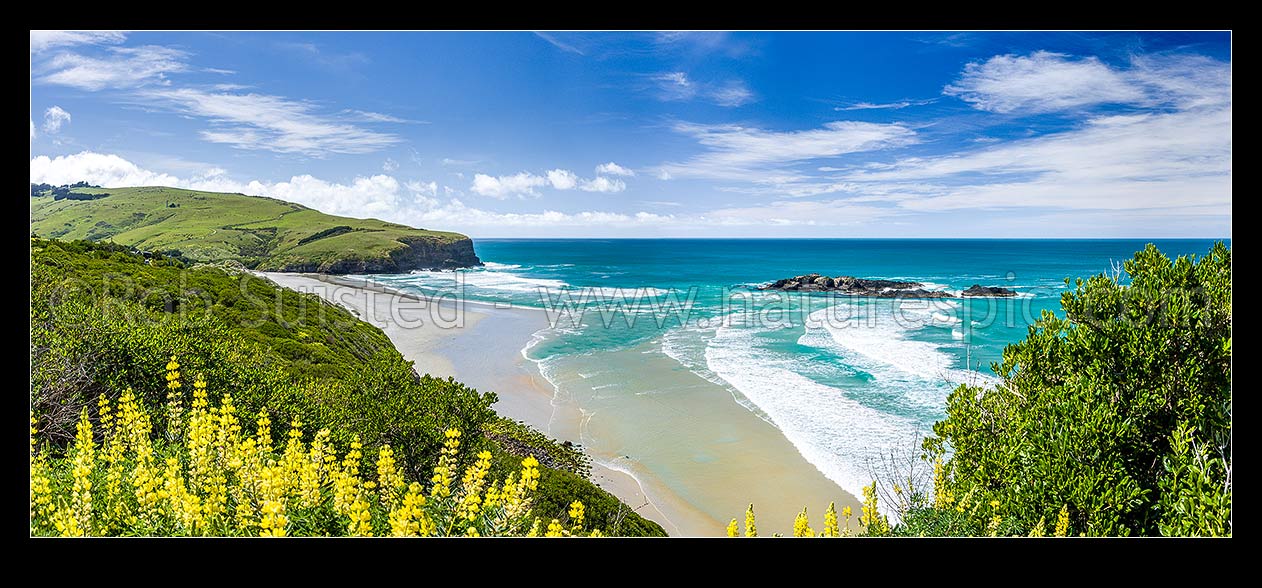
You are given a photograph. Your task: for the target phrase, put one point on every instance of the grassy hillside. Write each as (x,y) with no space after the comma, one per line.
(262,233)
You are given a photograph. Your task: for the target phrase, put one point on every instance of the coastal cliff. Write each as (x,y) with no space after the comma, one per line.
(413,253)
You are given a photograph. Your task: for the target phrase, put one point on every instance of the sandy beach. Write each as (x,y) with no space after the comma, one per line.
(690,461)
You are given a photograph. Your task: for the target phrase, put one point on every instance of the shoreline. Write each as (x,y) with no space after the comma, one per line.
(523,395)
(707,457)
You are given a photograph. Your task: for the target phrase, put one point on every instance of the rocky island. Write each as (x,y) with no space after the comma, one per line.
(872,288)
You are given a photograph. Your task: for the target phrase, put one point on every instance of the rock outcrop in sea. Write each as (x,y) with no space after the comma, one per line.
(873,288)
(979,291)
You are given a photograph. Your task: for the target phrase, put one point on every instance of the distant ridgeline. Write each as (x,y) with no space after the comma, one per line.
(67,192)
(261,233)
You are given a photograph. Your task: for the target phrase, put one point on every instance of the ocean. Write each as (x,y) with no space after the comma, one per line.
(638,325)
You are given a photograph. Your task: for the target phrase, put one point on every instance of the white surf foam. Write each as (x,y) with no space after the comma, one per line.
(837,435)
(876,336)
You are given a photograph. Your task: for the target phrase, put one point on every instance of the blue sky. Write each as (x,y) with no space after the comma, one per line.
(591,134)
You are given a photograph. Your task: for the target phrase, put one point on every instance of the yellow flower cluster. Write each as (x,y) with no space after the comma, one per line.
(1062,522)
(871,519)
(802,523)
(214,479)
(942,496)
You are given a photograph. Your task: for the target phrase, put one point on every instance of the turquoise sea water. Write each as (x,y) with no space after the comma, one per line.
(844,379)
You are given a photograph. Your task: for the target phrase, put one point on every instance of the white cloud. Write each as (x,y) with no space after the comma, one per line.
(674,85)
(54,117)
(898,105)
(126,67)
(552,40)
(1130,162)
(41,40)
(603,184)
(430,189)
(521,184)
(614,169)
(525,184)
(677,86)
(732,94)
(377,117)
(95,168)
(273,123)
(562,179)
(32,129)
(389,165)
(742,153)
(413,203)
(664,175)
(1046,82)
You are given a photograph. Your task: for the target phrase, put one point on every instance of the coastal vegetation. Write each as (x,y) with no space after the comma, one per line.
(105,323)
(1111,420)
(260,233)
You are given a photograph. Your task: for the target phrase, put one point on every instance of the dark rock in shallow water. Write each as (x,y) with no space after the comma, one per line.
(977,290)
(853,286)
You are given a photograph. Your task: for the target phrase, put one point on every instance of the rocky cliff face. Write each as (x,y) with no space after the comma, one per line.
(418,253)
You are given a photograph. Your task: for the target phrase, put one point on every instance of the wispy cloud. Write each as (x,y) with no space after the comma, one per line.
(1144,161)
(272,123)
(313,53)
(731,94)
(125,67)
(701,43)
(1045,82)
(898,105)
(555,42)
(742,153)
(677,86)
(44,40)
(368,116)
(389,165)
(54,117)
(674,85)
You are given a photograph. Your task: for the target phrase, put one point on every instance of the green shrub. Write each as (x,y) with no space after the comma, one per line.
(1120,412)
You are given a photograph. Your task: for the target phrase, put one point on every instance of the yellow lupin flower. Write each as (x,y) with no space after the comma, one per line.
(872,520)
(802,525)
(555,529)
(389,480)
(81,469)
(733,530)
(750,529)
(942,496)
(175,401)
(1062,522)
(576,515)
(831,527)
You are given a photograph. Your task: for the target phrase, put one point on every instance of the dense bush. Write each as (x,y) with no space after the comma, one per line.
(1120,412)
